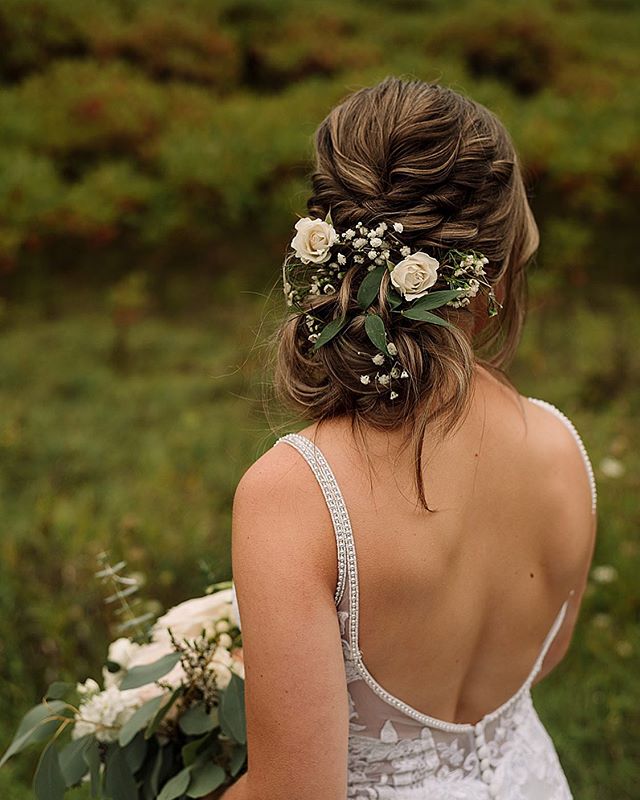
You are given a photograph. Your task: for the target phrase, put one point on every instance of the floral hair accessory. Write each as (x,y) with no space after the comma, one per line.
(321,256)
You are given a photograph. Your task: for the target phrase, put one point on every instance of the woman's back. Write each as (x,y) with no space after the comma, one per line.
(454,606)
(448,619)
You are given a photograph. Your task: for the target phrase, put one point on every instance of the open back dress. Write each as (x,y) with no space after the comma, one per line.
(398,753)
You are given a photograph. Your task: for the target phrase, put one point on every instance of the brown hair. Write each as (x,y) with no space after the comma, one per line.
(445,167)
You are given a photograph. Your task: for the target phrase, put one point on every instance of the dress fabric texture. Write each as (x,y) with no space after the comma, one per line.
(399,753)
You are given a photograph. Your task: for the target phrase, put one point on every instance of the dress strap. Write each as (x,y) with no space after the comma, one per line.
(333,497)
(583,450)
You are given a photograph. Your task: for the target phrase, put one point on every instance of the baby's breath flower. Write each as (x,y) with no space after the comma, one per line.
(365,379)
(349,234)
(384,379)
(395,372)
(359,243)
(404,374)
(313,336)
(398,227)
(393,350)
(376,241)
(405,251)
(329,288)
(378,359)
(358,259)
(393,395)
(372,254)
(342,259)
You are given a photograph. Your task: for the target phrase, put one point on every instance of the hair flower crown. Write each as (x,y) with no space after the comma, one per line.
(321,256)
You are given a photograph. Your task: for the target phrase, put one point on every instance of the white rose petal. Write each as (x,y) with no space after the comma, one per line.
(415,275)
(313,240)
(187,620)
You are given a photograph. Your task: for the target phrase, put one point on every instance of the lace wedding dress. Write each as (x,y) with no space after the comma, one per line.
(398,753)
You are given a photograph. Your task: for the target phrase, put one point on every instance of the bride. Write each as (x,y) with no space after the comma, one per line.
(411,562)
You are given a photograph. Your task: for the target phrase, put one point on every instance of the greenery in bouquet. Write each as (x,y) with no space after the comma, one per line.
(168,721)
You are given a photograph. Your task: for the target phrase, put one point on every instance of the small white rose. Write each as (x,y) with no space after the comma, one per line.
(313,240)
(415,275)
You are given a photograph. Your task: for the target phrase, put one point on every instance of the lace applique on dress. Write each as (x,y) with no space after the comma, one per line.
(398,753)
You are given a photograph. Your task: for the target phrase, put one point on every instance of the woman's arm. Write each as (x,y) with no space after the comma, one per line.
(284,567)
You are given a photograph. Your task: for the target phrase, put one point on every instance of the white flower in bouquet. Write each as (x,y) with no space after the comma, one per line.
(103,714)
(121,652)
(187,620)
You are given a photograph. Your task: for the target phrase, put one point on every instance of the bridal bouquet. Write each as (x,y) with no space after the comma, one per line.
(168,721)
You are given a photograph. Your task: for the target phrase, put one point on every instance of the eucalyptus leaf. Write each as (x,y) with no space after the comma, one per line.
(148,673)
(436,299)
(59,690)
(92,757)
(135,752)
(152,727)
(426,316)
(232,715)
(370,287)
(38,724)
(176,786)
(206,777)
(197,720)
(374,327)
(195,748)
(72,761)
(139,719)
(238,757)
(48,781)
(119,781)
(330,330)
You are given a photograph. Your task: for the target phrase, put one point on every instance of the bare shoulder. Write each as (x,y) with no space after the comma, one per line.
(563,474)
(280,518)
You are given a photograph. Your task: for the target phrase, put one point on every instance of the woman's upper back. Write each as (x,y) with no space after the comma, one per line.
(454,606)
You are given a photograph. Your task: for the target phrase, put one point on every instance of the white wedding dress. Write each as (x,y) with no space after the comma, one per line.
(398,753)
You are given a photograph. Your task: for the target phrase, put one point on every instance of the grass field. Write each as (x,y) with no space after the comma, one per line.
(138,450)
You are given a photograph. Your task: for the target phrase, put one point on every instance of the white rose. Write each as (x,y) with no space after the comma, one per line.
(187,620)
(415,275)
(313,240)
(150,653)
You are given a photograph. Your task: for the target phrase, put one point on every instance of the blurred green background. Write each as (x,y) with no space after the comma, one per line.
(153,155)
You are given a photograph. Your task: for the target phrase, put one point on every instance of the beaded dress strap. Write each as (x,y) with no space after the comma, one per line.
(333,496)
(583,450)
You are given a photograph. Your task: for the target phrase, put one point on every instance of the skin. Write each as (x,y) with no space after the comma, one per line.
(476,569)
